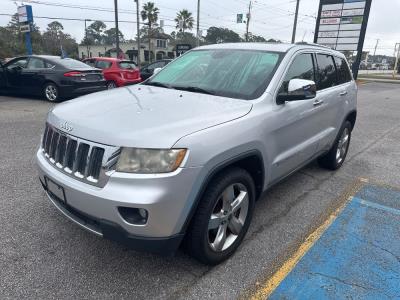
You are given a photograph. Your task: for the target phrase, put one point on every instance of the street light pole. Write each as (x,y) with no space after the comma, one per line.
(198,24)
(295,22)
(86,41)
(116,27)
(138,33)
(247,23)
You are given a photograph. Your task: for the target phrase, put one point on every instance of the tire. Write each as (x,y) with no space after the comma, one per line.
(216,213)
(111,85)
(51,92)
(334,159)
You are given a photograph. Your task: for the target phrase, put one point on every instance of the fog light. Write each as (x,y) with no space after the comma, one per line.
(143,213)
(132,215)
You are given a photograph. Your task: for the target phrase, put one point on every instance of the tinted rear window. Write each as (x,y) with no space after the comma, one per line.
(71,63)
(127,65)
(101,64)
(326,72)
(343,71)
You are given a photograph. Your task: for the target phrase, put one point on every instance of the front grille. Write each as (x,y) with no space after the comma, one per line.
(84,160)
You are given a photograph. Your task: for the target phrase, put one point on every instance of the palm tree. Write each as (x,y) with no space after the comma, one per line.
(150,13)
(184,17)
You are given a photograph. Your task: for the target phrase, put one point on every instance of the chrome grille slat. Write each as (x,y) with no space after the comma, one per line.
(83,160)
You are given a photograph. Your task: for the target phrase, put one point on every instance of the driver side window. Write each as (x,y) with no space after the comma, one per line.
(302,67)
(19,63)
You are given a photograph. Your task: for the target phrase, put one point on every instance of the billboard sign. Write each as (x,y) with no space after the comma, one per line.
(182,48)
(25,14)
(341,24)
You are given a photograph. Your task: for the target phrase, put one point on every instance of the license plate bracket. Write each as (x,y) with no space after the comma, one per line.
(55,189)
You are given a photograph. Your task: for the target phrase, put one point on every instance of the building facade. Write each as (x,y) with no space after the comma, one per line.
(160,49)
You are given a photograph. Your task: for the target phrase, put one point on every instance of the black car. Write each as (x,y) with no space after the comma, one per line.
(148,70)
(53,77)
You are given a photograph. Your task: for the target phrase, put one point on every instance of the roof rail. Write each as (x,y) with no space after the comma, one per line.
(312,44)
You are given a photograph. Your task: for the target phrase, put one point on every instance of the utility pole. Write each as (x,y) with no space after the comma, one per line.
(198,24)
(116,27)
(86,40)
(138,33)
(247,23)
(396,57)
(376,46)
(295,22)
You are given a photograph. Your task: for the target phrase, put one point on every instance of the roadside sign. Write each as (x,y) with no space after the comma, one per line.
(239,18)
(182,48)
(25,14)
(25,19)
(25,28)
(341,25)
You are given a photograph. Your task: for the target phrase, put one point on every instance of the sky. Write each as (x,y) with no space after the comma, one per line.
(269,18)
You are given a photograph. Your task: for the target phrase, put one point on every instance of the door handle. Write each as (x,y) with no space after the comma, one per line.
(318,102)
(344,93)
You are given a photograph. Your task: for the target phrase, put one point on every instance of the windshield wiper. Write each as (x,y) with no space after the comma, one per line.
(194,89)
(159,84)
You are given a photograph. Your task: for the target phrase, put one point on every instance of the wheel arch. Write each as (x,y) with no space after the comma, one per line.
(251,161)
(351,117)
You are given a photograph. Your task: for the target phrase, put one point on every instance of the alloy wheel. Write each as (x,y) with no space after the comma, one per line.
(228,217)
(51,92)
(342,145)
(111,85)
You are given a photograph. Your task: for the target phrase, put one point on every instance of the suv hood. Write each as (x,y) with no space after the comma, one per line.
(144,116)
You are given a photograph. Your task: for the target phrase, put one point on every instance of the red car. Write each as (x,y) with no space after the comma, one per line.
(117,72)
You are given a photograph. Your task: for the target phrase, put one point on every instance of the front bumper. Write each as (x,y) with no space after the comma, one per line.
(168,199)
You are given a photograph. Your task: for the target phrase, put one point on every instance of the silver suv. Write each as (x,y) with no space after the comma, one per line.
(182,157)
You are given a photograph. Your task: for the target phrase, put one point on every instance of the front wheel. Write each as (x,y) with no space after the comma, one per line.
(334,159)
(222,218)
(51,92)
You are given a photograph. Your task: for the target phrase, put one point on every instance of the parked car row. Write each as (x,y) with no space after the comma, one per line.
(56,78)
(52,77)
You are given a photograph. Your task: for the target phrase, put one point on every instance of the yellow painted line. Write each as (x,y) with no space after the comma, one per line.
(266,289)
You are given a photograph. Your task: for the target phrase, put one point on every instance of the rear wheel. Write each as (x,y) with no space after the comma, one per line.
(51,92)
(334,159)
(111,85)
(222,218)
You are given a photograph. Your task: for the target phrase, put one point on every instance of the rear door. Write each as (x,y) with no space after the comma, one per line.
(33,76)
(296,134)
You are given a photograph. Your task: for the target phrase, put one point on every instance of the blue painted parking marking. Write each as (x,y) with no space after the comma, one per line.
(357,257)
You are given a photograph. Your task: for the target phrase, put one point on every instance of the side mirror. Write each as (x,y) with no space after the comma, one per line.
(16,68)
(298,89)
(156,70)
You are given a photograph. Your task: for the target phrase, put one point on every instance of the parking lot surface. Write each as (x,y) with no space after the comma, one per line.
(43,255)
(357,257)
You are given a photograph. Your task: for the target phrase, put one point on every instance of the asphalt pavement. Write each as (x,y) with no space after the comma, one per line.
(45,256)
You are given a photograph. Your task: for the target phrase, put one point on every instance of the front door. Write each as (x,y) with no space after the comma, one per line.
(13,72)
(296,133)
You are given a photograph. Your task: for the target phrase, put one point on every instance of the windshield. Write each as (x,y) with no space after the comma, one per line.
(242,74)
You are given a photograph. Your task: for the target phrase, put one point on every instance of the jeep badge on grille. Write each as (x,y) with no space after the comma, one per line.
(67,127)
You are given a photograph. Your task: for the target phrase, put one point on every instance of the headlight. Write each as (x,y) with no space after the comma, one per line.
(146,161)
